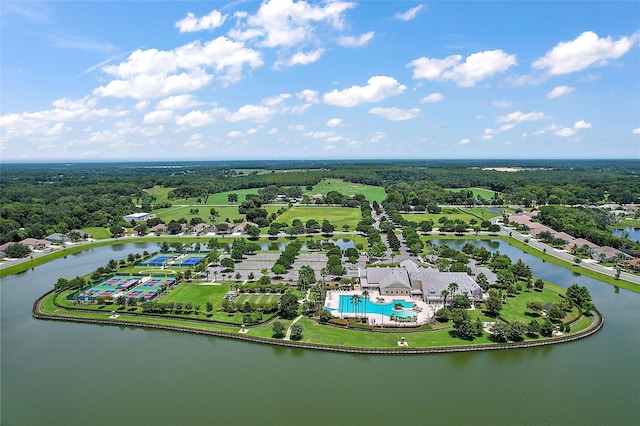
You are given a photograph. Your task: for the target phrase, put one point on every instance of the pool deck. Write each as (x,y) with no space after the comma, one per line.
(427,311)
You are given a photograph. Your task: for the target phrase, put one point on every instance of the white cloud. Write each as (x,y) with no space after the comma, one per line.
(252,131)
(287,23)
(433,97)
(273,131)
(299,127)
(378,136)
(377,89)
(581,125)
(142,105)
(55,121)
(191,23)
(490,133)
(334,122)
(636,131)
(409,14)
(395,114)
(565,132)
(158,116)
(153,73)
(300,58)
(502,103)
(559,92)
(253,113)
(198,118)
(586,50)
(464,142)
(235,134)
(519,117)
(194,142)
(178,102)
(476,67)
(361,40)
(309,95)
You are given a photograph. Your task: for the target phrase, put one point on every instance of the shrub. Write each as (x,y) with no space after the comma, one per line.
(339,321)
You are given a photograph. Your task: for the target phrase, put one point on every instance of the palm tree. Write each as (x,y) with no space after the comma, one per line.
(355,299)
(453,287)
(365,295)
(444,294)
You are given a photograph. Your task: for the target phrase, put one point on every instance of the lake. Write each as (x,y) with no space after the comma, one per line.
(59,373)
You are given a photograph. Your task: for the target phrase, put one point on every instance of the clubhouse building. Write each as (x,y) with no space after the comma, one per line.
(411,280)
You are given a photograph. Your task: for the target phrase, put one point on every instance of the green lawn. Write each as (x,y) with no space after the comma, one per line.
(516,307)
(484,193)
(480,212)
(261,298)
(97,232)
(372,193)
(338,216)
(453,215)
(224,212)
(197,294)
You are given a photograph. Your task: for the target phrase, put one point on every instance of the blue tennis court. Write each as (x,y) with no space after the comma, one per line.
(158,260)
(192,259)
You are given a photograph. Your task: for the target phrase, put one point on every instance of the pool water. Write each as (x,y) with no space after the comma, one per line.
(368,306)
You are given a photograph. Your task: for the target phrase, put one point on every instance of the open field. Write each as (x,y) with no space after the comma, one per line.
(371,193)
(484,193)
(257,298)
(225,212)
(516,307)
(338,216)
(480,212)
(97,232)
(419,217)
(197,294)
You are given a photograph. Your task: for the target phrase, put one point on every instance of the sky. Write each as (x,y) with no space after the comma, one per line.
(284,79)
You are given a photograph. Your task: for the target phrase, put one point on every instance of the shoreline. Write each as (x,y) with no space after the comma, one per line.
(593,328)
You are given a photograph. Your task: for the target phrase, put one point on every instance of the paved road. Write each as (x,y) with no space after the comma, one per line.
(588,264)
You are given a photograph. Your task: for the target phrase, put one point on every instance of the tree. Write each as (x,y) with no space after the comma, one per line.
(556,313)
(365,296)
(209,307)
(356,299)
(278,269)
(252,231)
(278,329)
(325,315)
(228,263)
(327,227)
(17,251)
(547,328)
(579,294)
(288,305)
(534,305)
(296,332)
(460,301)
(533,327)
(232,198)
(444,293)
(539,284)
(306,276)
(494,303)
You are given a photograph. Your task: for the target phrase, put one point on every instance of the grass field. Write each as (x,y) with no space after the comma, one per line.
(516,307)
(257,298)
(419,217)
(484,193)
(480,212)
(197,294)
(372,193)
(98,233)
(338,216)
(225,212)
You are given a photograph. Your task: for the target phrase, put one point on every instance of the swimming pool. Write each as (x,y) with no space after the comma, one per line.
(346,306)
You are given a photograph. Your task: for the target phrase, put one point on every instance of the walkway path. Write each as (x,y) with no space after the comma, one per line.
(287,336)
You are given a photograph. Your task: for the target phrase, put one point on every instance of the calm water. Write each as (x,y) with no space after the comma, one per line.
(632,233)
(56,373)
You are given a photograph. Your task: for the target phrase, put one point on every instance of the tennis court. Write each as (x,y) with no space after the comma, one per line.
(191,260)
(108,288)
(149,288)
(158,260)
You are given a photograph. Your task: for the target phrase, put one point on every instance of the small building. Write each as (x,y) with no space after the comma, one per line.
(57,238)
(137,217)
(35,244)
(159,228)
(607,254)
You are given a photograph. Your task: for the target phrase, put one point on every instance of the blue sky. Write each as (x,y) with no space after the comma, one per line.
(284,79)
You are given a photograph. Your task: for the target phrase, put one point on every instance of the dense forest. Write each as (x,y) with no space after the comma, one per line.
(40,199)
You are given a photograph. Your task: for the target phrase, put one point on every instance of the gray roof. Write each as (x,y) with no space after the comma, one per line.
(434,281)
